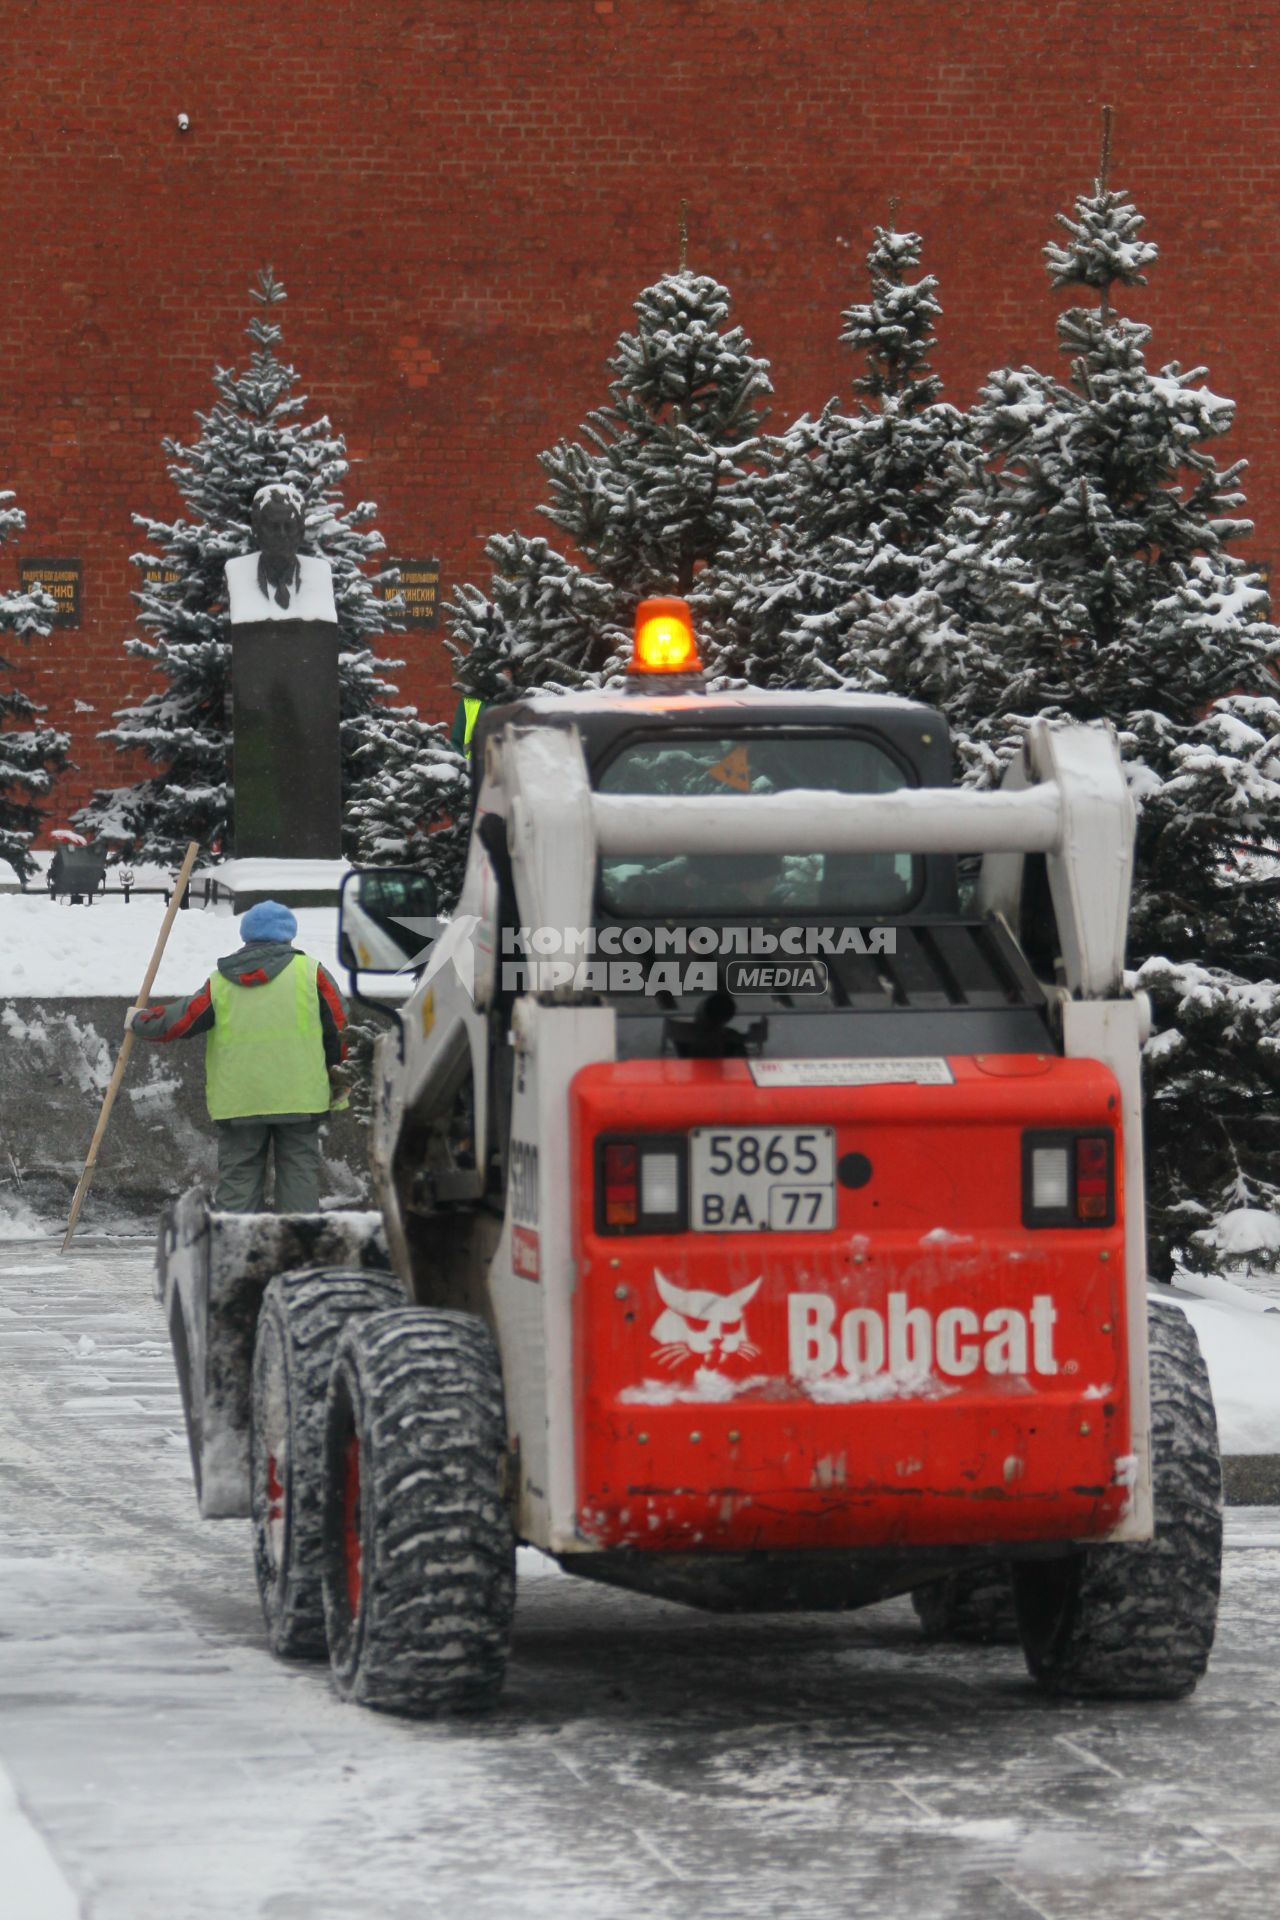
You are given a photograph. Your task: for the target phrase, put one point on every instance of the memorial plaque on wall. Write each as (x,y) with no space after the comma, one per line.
(1263,570)
(61,580)
(160,576)
(419,589)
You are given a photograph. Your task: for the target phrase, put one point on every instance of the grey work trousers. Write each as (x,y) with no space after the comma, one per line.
(243,1149)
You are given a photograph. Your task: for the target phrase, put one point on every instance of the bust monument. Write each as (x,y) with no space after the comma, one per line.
(278,582)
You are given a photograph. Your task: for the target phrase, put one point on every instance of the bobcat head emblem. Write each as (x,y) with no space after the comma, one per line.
(699,1325)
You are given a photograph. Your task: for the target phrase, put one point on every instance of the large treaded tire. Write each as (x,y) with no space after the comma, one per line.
(419,1565)
(301,1317)
(974,1606)
(1137,1622)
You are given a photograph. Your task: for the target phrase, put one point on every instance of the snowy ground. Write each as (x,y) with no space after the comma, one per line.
(51,950)
(646,1760)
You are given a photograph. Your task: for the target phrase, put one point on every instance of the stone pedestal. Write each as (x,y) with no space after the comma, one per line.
(286,759)
(236,885)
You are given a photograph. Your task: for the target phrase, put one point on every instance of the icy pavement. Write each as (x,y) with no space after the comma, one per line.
(647,1761)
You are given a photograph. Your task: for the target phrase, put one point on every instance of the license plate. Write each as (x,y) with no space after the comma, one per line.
(770,1179)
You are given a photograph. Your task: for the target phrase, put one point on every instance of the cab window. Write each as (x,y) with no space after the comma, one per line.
(722,765)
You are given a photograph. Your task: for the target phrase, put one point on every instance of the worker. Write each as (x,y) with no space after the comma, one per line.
(274,1021)
(466,713)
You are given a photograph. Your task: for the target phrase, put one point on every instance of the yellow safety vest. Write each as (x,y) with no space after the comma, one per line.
(265,1054)
(471,711)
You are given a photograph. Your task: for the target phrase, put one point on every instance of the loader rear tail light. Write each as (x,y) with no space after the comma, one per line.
(1094,1199)
(621,1186)
(1068,1180)
(640,1185)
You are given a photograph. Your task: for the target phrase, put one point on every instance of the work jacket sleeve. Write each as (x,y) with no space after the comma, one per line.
(177,1019)
(333,1018)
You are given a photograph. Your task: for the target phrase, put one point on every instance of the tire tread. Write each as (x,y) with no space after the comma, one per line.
(1139,1620)
(308,1308)
(422,1389)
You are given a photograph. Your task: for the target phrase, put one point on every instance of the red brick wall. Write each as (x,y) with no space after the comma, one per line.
(462,198)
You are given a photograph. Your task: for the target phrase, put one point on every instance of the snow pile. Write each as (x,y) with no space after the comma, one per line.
(50,951)
(18,1222)
(1242,1352)
(74,1044)
(1246,1232)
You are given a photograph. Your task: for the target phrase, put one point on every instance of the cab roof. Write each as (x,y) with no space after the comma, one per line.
(917,733)
(741,699)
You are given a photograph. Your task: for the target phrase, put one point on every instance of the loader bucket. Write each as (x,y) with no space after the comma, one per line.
(211,1272)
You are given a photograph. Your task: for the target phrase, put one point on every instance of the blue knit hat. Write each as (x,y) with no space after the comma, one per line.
(268,921)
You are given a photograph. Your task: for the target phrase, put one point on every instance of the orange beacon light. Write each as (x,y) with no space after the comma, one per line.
(664,641)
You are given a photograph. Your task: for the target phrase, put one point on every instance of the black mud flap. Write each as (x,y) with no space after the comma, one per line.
(211,1272)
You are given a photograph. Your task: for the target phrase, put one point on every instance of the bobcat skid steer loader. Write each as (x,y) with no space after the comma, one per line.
(764,1214)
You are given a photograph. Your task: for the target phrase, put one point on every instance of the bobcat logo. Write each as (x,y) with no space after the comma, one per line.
(700,1325)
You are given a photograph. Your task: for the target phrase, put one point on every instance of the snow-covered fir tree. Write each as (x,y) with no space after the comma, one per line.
(653,490)
(256,433)
(1085,566)
(830,572)
(31,754)
(409,801)
(662,480)
(543,623)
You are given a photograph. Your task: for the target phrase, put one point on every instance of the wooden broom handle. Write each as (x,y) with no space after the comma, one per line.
(122,1060)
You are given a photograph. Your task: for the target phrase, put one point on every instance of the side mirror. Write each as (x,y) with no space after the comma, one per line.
(388,921)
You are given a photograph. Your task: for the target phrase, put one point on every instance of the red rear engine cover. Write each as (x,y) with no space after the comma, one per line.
(930,1372)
